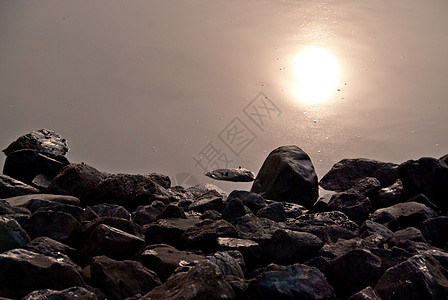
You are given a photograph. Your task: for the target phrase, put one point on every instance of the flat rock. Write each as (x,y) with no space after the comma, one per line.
(212,203)
(10,187)
(230,174)
(287,175)
(119,223)
(12,235)
(168,231)
(78,293)
(42,140)
(24,201)
(250,250)
(347,172)
(323,219)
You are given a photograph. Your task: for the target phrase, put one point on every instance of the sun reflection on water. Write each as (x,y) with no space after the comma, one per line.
(316,75)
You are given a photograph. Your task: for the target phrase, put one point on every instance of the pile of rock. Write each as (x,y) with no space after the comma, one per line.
(70,231)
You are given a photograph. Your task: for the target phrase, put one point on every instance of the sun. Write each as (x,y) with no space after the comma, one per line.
(317,74)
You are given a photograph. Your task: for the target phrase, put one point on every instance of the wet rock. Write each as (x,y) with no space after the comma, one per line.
(78,293)
(368,293)
(419,277)
(230,174)
(234,209)
(122,279)
(164,259)
(203,281)
(287,247)
(344,174)
(110,241)
(146,214)
(250,250)
(287,175)
(426,176)
(388,196)
(50,247)
(168,231)
(354,271)
(434,231)
(227,264)
(108,210)
(356,206)
(59,226)
(213,203)
(10,187)
(254,201)
(402,215)
(24,271)
(274,212)
(172,211)
(293,282)
(12,235)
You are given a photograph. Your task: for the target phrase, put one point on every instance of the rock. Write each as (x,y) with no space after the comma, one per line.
(444,159)
(59,226)
(211,214)
(256,229)
(250,250)
(293,282)
(388,196)
(288,247)
(287,175)
(230,174)
(203,281)
(426,176)
(434,231)
(33,202)
(205,190)
(252,200)
(8,209)
(172,211)
(354,271)
(344,174)
(11,235)
(10,187)
(164,259)
(228,265)
(24,271)
(234,209)
(122,279)
(119,223)
(401,237)
(402,215)
(213,203)
(161,179)
(323,219)
(391,257)
(328,233)
(168,231)
(274,212)
(42,140)
(146,214)
(368,293)
(293,210)
(366,186)
(340,247)
(369,228)
(50,247)
(110,241)
(356,206)
(419,277)
(108,210)
(78,293)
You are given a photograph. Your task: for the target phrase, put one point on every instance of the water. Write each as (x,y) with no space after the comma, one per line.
(155,86)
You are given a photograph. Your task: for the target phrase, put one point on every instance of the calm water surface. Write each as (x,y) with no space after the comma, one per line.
(181,86)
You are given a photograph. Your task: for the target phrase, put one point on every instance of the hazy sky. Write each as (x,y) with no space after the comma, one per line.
(144,86)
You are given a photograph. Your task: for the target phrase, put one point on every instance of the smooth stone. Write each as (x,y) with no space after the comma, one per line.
(230,174)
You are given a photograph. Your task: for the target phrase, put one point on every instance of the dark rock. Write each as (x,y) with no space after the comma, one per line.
(444,159)
(231,174)
(12,235)
(119,223)
(366,186)
(172,211)
(108,210)
(59,226)
(227,264)
(388,196)
(238,285)
(122,279)
(257,229)
(204,234)
(356,206)
(319,262)
(203,281)
(287,175)
(78,293)
(347,172)
(234,209)
(288,247)
(211,214)
(161,179)
(293,282)
(293,210)
(434,231)
(205,190)
(329,233)
(440,256)
(213,203)
(354,271)
(252,200)
(250,250)
(420,198)
(80,214)
(274,212)
(164,259)
(400,237)
(419,277)
(323,219)
(368,293)
(341,247)
(402,215)
(24,271)
(50,247)
(110,241)
(7,209)
(32,202)
(10,187)
(146,214)
(369,227)
(42,140)
(390,257)
(41,182)
(168,231)
(426,176)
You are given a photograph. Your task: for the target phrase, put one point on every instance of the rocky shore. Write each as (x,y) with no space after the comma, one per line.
(68,230)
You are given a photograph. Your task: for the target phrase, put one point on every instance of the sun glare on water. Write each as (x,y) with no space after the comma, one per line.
(316,74)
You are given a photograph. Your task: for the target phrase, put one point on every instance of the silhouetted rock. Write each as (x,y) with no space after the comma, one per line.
(252,200)
(42,140)
(230,174)
(287,175)
(426,176)
(274,211)
(168,231)
(419,277)
(203,281)
(78,293)
(347,172)
(434,231)
(122,279)
(444,159)
(10,187)
(368,293)
(12,235)
(355,205)
(24,271)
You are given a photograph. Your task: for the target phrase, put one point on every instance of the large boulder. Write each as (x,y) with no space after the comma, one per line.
(428,176)
(10,187)
(24,271)
(122,279)
(203,281)
(347,172)
(12,235)
(287,175)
